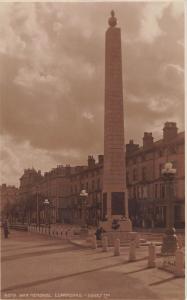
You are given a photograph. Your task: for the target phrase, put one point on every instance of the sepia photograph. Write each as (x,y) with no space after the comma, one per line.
(92,150)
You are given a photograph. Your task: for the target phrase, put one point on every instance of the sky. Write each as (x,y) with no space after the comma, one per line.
(52,78)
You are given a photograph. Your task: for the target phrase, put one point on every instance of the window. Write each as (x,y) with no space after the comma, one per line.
(160,153)
(173,149)
(127,177)
(144,173)
(162,191)
(161,166)
(134,192)
(98,183)
(135,175)
(142,192)
(75,189)
(174,163)
(156,190)
(137,192)
(93,185)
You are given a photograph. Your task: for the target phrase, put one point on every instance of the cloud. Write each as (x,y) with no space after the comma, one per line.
(17,157)
(52,85)
(150,28)
(174,67)
(88,116)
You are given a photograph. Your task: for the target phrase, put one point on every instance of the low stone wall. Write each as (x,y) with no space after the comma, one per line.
(19,227)
(123,236)
(57,231)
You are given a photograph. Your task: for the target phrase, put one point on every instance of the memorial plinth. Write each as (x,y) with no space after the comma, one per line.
(115,198)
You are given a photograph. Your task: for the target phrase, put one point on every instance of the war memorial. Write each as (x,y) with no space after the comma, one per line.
(69,261)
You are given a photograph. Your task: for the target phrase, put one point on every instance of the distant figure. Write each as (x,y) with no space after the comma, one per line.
(99,232)
(5,229)
(115,224)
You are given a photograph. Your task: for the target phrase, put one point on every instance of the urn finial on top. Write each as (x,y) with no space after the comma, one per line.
(112,21)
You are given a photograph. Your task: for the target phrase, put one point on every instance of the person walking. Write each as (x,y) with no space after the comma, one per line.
(5,229)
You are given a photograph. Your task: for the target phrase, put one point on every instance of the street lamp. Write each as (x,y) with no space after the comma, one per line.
(169,245)
(83,196)
(47,205)
(37,208)
(168,174)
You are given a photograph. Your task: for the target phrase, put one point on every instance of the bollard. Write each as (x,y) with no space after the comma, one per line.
(180,243)
(62,234)
(105,244)
(117,247)
(179,263)
(94,242)
(132,251)
(137,241)
(70,234)
(151,256)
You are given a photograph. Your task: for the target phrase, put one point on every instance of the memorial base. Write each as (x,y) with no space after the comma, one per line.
(123,232)
(124,224)
(84,232)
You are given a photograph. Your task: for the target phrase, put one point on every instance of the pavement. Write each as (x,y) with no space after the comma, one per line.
(36,266)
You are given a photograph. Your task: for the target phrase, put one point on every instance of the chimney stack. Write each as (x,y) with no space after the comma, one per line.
(91,161)
(131,147)
(170,131)
(147,140)
(100,159)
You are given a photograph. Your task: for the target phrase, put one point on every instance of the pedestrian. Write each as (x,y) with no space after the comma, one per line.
(5,229)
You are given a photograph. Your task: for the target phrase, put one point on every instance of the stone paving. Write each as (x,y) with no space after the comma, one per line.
(36,266)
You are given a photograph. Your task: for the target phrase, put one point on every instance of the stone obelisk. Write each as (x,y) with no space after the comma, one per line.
(115,198)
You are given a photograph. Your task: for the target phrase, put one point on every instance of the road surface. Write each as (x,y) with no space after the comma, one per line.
(41,267)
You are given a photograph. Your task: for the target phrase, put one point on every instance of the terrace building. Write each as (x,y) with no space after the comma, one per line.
(147,191)
(147,197)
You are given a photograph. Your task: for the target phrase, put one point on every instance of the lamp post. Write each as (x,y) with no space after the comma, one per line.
(169,245)
(84,197)
(47,206)
(168,174)
(37,208)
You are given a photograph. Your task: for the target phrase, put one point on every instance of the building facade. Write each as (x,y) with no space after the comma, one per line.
(9,196)
(147,195)
(148,198)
